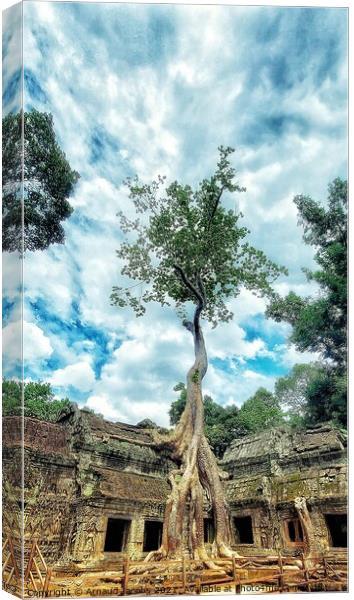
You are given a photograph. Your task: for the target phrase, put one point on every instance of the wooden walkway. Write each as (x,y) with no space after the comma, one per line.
(241,574)
(274,574)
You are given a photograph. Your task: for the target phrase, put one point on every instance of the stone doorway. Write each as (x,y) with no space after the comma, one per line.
(294,531)
(152,535)
(337,530)
(243,530)
(117,533)
(209,531)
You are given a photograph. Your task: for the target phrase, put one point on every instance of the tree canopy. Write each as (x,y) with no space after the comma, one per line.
(292,391)
(261,411)
(48,181)
(186,247)
(39,400)
(224,424)
(319,324)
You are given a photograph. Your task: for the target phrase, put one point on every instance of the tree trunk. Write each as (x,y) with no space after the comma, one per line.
(198,471)
(306,524)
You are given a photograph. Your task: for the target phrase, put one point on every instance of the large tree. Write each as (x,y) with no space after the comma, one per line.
(292,391)
(319,324)
(39,400)
(261,411)
(221,424)
(188,250)
(35,189)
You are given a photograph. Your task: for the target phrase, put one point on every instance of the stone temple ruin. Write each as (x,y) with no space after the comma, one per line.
(96,490)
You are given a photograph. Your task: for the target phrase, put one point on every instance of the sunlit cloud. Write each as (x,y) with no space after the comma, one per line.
(156,89)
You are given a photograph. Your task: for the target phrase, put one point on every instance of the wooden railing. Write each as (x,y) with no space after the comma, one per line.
(10,571)
(278,573)
(37,574)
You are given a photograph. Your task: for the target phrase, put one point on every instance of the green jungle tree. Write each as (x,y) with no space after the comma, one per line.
(292,389)
(261,411)
(189,250)
(39,400)
(48,181)
(320,324)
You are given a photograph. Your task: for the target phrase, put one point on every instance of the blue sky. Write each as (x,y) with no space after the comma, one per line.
(151,89)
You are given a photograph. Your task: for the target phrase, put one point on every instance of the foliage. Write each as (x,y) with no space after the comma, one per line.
(261,411)
(177,407)
(292,391)
(11,397)
(184,246)
(39,400)
(320,324)
(222,425)
(48,181)
(327,397)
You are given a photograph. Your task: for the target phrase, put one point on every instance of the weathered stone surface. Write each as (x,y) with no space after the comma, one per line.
(83,470)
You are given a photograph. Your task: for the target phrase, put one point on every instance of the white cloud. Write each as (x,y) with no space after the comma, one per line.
(167,114)
(236,387)
(11,343)
(229,340)
(79,375)
(12,276)
(55,284)
(103,405)
(248,374)
(36,345)
(138,380)
(288,355)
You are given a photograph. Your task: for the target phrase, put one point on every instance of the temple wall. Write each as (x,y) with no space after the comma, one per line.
(85,475)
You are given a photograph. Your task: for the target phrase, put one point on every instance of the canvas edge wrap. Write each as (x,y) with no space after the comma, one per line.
(13,558)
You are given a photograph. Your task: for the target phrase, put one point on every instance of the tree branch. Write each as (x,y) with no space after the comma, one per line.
(194,327)
(201,289)
(215,207)
(188,325)
(189,285)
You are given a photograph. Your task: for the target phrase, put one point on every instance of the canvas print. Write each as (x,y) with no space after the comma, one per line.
(175,299)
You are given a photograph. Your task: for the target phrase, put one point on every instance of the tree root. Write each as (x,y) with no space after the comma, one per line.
(197,473)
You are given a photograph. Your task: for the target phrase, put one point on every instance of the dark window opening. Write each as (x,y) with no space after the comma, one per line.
(243,530)
(152,535)
(209,531)
(116,535)
(337,528)
(295,531)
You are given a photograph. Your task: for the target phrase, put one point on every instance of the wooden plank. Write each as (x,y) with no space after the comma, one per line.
(38,571)
(47,580)
(281,570)
(184,576)
(14,562)
(125,575)
(306,573)
(4,564)
(30,560)
(33,581)
(41,557)
(10,575)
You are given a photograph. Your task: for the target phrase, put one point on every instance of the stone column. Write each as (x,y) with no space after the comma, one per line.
(136,538)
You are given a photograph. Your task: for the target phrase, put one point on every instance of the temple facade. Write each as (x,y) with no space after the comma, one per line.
(96,491)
